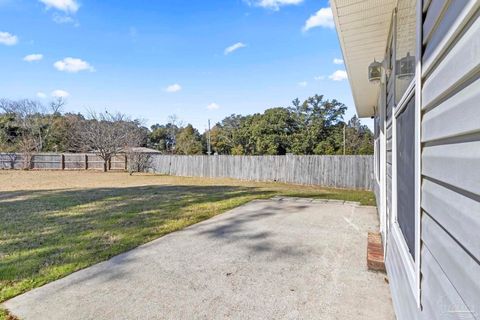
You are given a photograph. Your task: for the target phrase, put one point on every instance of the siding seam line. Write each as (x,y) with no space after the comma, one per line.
(463,192)
(471,136)
(451,236)
(472,312)
(468,78)
(448,279)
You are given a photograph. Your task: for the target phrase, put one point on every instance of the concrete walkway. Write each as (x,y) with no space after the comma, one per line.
(273,259)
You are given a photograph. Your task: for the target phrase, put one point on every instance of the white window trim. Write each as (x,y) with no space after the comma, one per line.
(418,150)
(411,266)
(402,104)
(383,168)
(385,125)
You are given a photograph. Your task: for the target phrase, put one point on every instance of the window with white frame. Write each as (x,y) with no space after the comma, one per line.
(406,173)
(405,48)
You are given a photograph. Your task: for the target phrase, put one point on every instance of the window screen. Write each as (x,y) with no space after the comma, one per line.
(406,174)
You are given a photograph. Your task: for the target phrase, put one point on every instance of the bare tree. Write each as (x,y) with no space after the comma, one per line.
(173,126)
(106,134)
(29,118)
(138,161)
(56,106)
(8,148)
(33,119)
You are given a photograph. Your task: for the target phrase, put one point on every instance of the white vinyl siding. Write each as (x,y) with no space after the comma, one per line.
(451,162)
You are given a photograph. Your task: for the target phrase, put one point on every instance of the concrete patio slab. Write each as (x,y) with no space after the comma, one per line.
(272,259)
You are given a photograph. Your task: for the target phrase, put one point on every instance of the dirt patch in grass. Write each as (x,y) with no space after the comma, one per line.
(5,315)
(54,223)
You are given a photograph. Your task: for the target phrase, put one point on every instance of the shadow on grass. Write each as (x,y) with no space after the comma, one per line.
(236,229)
(46,234)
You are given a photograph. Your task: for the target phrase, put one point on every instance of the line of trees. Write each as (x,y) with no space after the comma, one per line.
(314,126)
(27,127)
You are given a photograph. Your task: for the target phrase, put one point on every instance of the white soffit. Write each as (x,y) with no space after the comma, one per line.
(362,27)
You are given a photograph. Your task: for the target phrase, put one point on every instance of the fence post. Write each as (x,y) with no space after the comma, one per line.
(62,159)
(30,161)
(86,161)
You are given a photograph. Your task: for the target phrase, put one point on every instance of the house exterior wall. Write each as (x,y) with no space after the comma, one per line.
(451,159)
(389,104)
(449,214)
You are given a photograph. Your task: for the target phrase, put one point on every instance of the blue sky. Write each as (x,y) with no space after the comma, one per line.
(150,59)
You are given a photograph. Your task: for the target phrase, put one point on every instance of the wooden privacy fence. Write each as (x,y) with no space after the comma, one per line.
(56,161)
(354,172)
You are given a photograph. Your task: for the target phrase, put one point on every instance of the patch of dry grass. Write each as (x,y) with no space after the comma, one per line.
(54,223)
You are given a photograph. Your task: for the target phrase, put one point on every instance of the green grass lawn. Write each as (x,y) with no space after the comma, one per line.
(53,224)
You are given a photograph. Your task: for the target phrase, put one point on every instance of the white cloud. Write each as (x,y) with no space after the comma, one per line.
(68,6)
(173,88)
(60,94)
(41,95)
(272,4)
(8,39)
(213,106)
(303,84)
(73,65)
(322,18)
(338,61)
(338,75)
(33,57)
(234,47)
(62,19)
(318,78)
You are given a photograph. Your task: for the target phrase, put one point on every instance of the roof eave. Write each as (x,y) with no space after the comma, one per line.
(365,95)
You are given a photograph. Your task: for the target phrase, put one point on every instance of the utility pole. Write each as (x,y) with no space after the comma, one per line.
(344,136)
(209,140)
